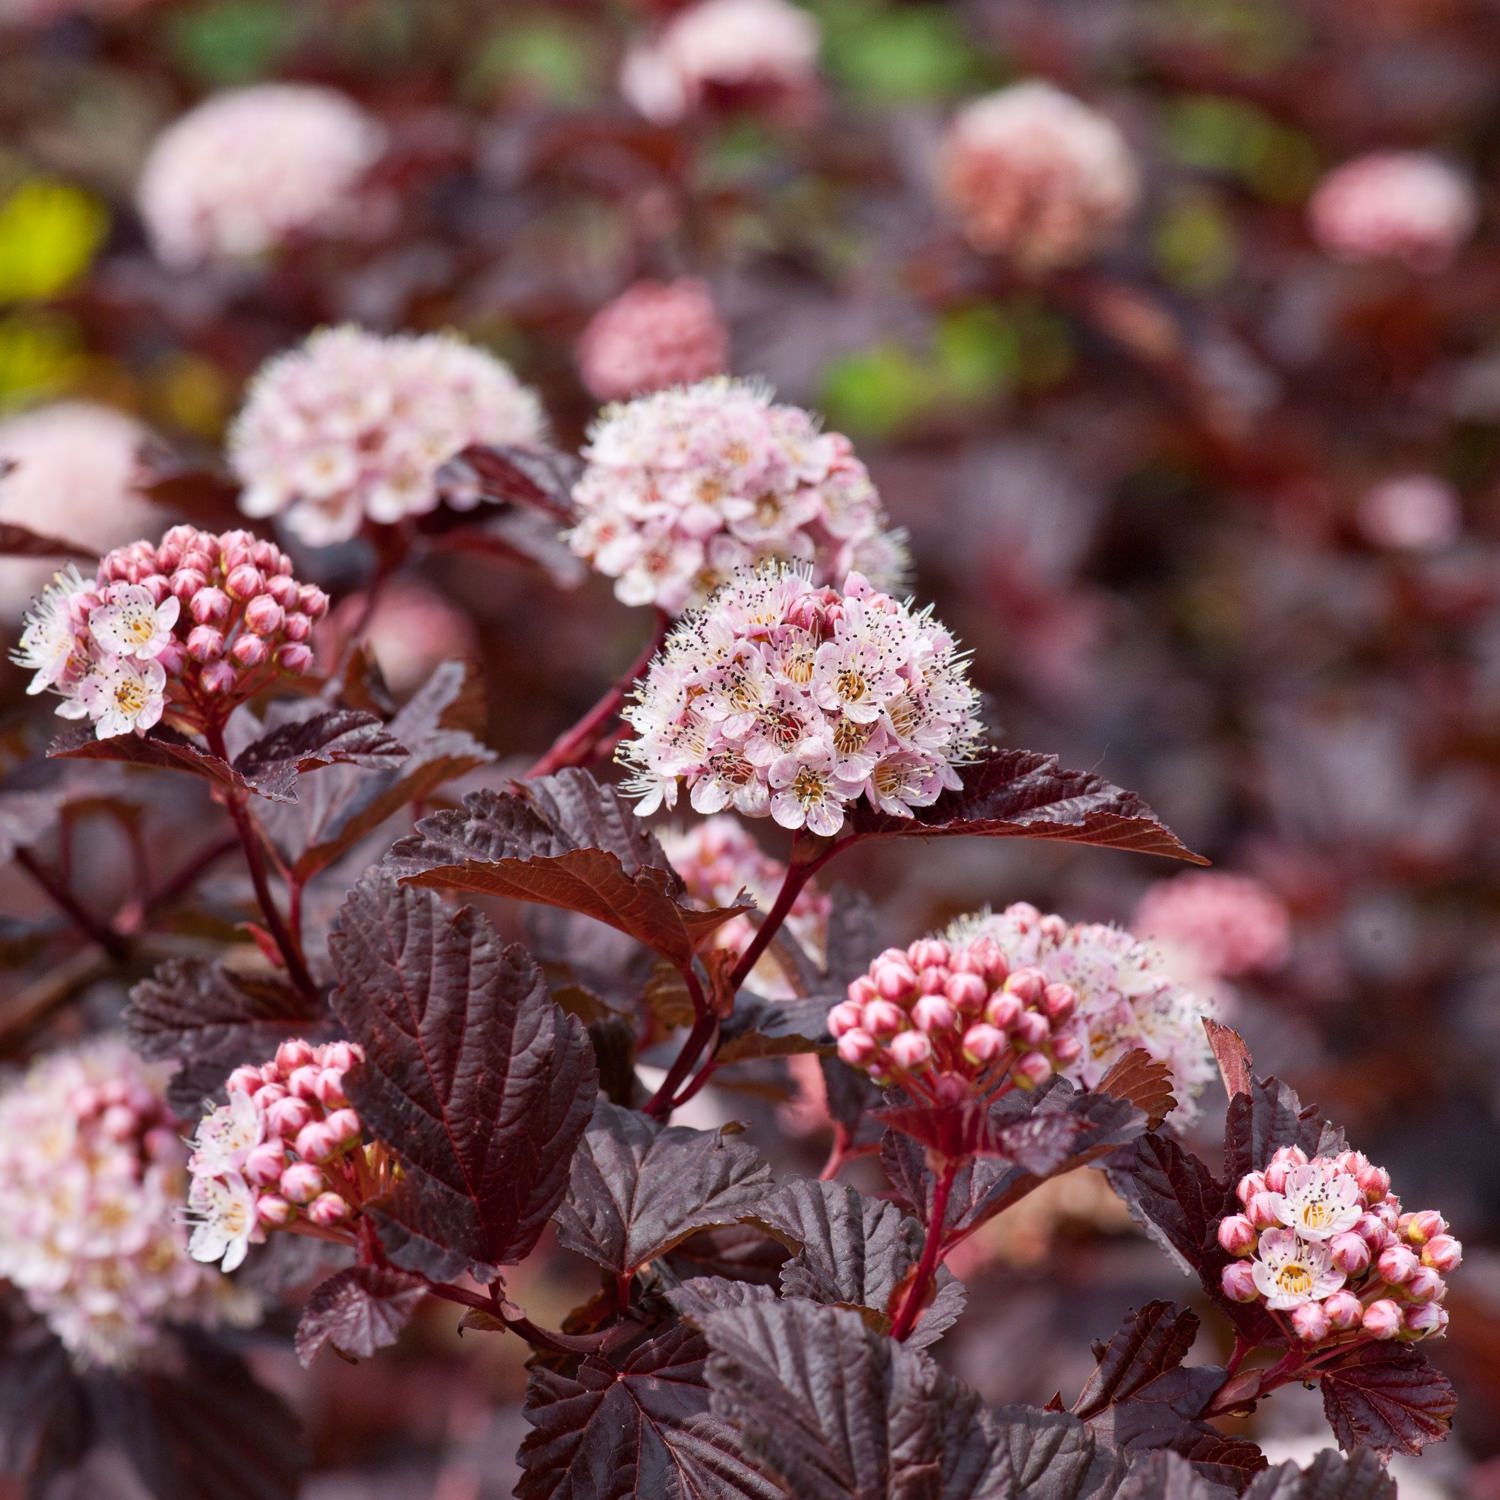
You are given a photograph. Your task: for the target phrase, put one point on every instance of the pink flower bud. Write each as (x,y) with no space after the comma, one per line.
(1031,1028)
(911,1051)
(331,1093)
(302,1182)
(1420,1227)
(218,678)
(983,1043)
(1027,985)
(1237,1235)
(862,990)
(927,953)
(1344,1311)
(265,555)
(327,1210)
(1275,1177)
(1372,1232)
(284,590)
(1396,1263)
(263,615)
(858,1048)
(934,1013)
(1310,1322)
(288,1116)
(1425,1285)
(250,651)
(345,1124)
(1382,1319)
(316,1141)
(205,643)
(1374,1183)
(265,1163)
(894,980)
(1237,1281)
(244,1080)
(1443,1253)
(296,627)
(294,1054)
(339,1055)
(967,991)
(1261,1210)
(844,1016)
(1004,1010)
(883,1019)
(186,583)
(244,582)
(172,658)
(314,601)
(303,1081)
(1424,1319)
(1059,1003)
(274,1211)
(1031,1069)
(295,658)
(1066,1050)
(1350,1254)
(1249,1185)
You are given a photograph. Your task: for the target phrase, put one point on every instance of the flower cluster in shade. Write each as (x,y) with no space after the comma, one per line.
(720,863)
(1036,175)
(948,1020)
(351,427)
(1129,994)
(685,486)
(72,470)
(736,52)
(1230,924)
(783,700)
(1325,1244)
(652,336)
(285,1152)
(189,626)
(1404,206)
(92,1173)
(237,176)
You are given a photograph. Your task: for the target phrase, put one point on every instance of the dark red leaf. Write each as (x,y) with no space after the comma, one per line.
(1232,1055)
(358,1310)
(471,1074)
(273,762)
(1151,1341)
(1270,1115)
(21,541)
(1361,1476)
(540,479)
(163,749)
(1388,1397)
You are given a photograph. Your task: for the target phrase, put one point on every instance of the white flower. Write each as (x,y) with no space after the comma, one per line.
(1318,1206)
(1289,1270)
(223,1213)
(131,623)
(227,1135)
(805,791)
(121,694)
(49,639)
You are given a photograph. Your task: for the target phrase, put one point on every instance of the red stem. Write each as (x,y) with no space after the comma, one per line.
(115,944)
(932,1254)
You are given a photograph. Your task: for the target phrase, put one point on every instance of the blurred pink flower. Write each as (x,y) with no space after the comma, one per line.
(1411,513)
(653,335)
(412,630)
(1406,206)
(235,176)
(765,50)
(351,427)
(1033,173)
(74,466)
(1231,923)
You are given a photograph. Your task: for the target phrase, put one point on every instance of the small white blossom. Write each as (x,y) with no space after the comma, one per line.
(131,623)
(222,1210)
(1319,1205)
(1289,1270)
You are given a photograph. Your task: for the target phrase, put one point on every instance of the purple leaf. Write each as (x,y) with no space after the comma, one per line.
(539,479)
(637,1189)
(735,1252)
(758,1027)
(358,1310)
(21,541)
(1020,794)
(272,762)
(641,1427)
(1388,1397)
(1164,1475)
(563,841)
(1152,1340)
(163,749)
(1361,1476)
(1269,1116)
(476,1079)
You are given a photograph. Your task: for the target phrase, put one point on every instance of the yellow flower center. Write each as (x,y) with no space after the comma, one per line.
(1294,1280)
(130,695)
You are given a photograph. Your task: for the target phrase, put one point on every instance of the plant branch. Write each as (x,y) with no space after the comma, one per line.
(98,931)
(932,1254)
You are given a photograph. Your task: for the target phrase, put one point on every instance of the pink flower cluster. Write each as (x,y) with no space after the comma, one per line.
(653,335)
(724,51)
(685,486)
(719,863)
(350,427)
(1034,174)
(238,175)
(92,1173)
(786,700)
(1405,206)
(947,1020)
(190,625)
(1129,994)
(1411,513)
(286,1151)
(1325,1242)
(1230,923)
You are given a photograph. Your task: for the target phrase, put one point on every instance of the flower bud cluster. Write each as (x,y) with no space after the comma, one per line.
(92,1172)
(1405,206)
(350,428)
(1231,923)
(685,486)
(720,863)
(1130,994)
(950,1019)
(785,700)
(653,335)
(286,1151)
(1034,174)
(186,626)
(1325,1242)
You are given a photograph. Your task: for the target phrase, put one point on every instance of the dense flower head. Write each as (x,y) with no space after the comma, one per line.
(1231,923)
(187,626)
(1405,206)
(92,1172)
(720,863)
(1411,513)
(1129,994)
(738,51)
(72,476)
(652,336)
(239,174)
(1035,174)
(285,1152)
(784,700)
(949,1019)
(1325,1242)
(351,427)
(685,486)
